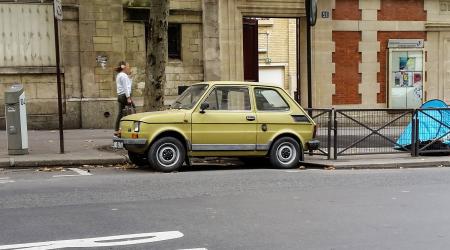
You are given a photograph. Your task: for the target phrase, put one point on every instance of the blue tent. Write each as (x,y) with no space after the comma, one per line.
(432,124)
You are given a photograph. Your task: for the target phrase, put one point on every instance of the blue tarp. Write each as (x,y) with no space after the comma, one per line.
(432,125)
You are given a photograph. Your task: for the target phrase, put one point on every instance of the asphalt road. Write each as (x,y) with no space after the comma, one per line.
(214,207)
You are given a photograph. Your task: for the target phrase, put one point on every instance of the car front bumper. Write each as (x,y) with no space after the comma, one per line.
(129,143)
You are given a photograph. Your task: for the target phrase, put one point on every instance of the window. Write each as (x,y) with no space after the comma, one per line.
(27,35)
(406,78)
(270,100)
(229,98)
(174,40)
(190,96)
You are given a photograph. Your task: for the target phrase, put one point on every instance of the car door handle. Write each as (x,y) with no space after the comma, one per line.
(250,118)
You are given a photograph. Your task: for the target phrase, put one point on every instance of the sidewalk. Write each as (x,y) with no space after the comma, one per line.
(94,147)
(81,146)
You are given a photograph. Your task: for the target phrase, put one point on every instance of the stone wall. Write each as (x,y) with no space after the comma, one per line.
(101,35)
(40,82)
(135,55)
(188,69)
(279,36)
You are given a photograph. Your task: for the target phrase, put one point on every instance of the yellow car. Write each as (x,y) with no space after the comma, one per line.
(229,119)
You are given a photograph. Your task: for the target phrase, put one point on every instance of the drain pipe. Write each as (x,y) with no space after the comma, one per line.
(311,17)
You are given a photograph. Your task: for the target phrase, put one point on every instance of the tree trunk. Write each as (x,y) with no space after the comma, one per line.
(156,56)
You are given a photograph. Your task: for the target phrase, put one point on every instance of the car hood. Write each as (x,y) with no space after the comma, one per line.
(166,116)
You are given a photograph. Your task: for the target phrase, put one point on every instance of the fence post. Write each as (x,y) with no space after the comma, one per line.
(329,135)
(417,142)
(335,128)
(413,134)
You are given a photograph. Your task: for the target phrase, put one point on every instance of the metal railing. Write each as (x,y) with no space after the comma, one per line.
(381,131)
(369,131)
(323,119)
(435,138)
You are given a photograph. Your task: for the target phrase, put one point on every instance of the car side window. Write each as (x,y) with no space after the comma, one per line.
(269,100)
(229,98)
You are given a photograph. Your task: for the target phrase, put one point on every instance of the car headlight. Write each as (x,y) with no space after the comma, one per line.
(137,126)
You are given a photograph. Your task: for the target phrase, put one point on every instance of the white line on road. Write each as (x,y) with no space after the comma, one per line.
(66,175)
(4,180)
(80,171)
(194,249)
(118,240)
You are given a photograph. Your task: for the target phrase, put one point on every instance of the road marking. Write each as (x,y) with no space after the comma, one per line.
(80,171)
(4,180)
(194,249)
(118,240)
(66,175)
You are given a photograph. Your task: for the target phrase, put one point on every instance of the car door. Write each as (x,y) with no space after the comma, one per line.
(229,124)
(273,115)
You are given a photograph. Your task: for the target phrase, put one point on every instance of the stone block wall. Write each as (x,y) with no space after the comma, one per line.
(188,69)
(101,36)
(281,48)
(134,40)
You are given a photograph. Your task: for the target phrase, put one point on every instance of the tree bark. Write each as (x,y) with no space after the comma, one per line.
(156,56)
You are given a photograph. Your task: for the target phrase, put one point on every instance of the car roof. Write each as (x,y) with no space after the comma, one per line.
(239,83)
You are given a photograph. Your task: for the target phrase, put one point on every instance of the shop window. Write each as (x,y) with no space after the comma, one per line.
(174,41)
(406,78)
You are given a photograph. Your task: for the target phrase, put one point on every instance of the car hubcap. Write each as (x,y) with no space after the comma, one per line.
(286,153)
(168,154)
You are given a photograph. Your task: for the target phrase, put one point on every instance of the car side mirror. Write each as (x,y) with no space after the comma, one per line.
(203,107)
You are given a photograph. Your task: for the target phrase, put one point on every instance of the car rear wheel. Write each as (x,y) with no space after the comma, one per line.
(138,159)
(285,153)
(167,154)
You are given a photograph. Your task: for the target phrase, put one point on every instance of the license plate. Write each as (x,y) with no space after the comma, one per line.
(117,144)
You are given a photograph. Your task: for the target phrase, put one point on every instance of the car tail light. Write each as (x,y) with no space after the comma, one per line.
(134,136)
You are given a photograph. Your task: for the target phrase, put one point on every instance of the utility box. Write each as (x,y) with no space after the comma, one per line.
(16,120)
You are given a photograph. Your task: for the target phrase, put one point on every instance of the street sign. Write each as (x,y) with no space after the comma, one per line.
(57,7)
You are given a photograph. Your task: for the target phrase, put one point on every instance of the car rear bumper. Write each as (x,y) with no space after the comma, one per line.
(313,144)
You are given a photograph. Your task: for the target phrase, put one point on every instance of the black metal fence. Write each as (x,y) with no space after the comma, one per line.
(323,119)
(382,131)
(435,137)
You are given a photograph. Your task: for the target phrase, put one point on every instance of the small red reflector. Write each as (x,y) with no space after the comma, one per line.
(134,136)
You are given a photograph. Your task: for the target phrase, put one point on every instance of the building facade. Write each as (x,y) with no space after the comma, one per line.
(381,53)
(205,43)
(366,53)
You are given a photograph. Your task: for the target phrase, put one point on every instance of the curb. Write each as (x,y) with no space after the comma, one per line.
(359,166)
(14,163)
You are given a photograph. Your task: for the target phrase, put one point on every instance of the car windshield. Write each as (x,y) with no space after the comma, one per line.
(190,97)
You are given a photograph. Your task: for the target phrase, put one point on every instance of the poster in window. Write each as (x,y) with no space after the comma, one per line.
(397,78)
(417,78)
(411,63)
(402,62)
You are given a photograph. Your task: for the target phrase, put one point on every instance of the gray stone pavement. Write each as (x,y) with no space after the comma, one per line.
(94,147)
(82,147)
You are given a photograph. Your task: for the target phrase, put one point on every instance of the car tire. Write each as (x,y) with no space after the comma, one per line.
(285,153)
(139,160)
(167,154)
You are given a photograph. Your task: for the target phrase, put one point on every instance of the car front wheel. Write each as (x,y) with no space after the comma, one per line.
(285,153)
(167,154)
